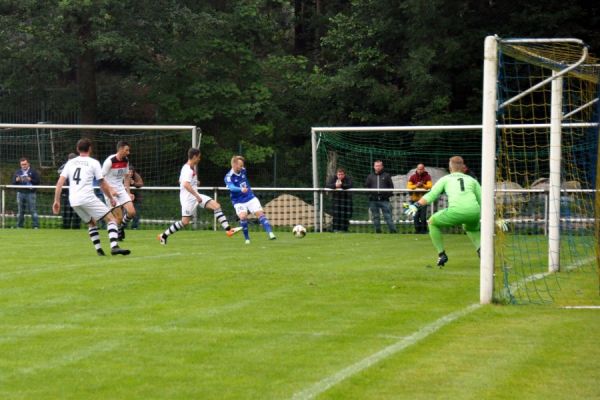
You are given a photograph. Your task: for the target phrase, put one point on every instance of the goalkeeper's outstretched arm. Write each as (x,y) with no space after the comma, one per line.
(411,209)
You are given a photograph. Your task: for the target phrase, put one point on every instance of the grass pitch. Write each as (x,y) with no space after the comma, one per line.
(329,316)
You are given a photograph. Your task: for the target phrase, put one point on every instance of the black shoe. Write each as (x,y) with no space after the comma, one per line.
(117,250)
(442,259)
(100,252)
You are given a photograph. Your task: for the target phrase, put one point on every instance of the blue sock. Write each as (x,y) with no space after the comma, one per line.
(265,223)
(244,224)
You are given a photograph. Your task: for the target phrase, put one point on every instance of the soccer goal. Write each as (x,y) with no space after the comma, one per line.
(536,153)
(539,166)
(157,153)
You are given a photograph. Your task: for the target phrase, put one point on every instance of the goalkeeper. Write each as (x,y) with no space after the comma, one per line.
(464,207)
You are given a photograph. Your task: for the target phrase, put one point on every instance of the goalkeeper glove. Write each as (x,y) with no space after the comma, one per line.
(502,225)
(411,209)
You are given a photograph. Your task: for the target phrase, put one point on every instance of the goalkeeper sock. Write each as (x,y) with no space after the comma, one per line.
(265,223)
(436,237)
(173,228)
(244,224)
(93,232)
(222,219)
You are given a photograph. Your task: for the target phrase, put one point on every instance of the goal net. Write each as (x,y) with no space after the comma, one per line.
(157,154)
(546,142)
(401,149)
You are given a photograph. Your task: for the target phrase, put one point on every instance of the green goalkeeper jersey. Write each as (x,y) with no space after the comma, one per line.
(463,191)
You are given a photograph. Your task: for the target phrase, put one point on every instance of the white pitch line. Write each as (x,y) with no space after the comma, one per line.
(65,359)
(582,307)
(323,385)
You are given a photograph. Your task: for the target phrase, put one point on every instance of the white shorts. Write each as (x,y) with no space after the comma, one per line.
(121,197)
(95,210)
(189,204)
(251,206)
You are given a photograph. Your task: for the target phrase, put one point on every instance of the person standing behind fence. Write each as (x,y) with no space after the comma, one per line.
(342,200)
(419,182)
(136,181)
(380,201)
(70,219)
(26,198)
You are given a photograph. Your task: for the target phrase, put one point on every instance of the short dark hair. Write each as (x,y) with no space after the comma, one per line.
(84,145)
(121,144)
(341,170)
(23,159)
(192,152)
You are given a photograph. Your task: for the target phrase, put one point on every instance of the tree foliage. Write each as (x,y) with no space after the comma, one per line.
(255,75)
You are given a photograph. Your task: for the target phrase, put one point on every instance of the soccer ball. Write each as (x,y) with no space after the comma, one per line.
(299,231)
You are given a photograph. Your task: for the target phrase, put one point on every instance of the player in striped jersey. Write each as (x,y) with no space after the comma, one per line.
(243,199)
(115,168)
(190,199)
(81,172)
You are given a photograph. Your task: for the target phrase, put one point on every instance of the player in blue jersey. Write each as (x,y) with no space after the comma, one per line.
(243,199)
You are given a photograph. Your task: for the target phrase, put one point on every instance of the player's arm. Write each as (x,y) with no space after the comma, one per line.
(107,190)
(57,191)
(127,185)
(106,166)
(231,186)
(188,186)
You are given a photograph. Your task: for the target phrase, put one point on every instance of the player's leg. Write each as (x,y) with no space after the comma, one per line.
(85,216)
(213,205)
(188,210)
(374,208)
(113,234)
(243,215)
(255,207)
(441,219)
(473,230)
(128,213)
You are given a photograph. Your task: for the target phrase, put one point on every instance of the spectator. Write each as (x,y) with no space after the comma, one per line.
(342,200)
(467,171)
(70,219)
(136,181)
(26,197)
(380,201)
(419,182)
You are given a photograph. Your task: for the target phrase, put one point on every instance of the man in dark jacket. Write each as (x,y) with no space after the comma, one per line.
(342,200)
(380,201)
(26,177)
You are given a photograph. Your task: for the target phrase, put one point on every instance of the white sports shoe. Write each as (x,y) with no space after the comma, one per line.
(247,241)
(272,236)
(233,231)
